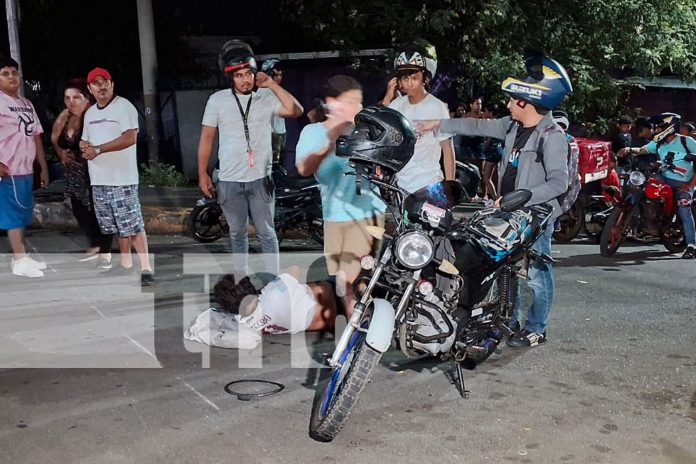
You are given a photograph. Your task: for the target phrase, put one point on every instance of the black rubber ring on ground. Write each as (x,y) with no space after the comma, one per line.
(248,396)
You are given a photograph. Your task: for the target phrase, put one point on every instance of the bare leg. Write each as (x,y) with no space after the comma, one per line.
(140,244)
(489,187)
(16,238)
(124,246)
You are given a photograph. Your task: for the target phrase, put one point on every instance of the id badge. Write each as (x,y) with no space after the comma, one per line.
(250,158)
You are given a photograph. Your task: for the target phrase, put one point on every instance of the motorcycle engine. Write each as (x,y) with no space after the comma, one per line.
(428,322)
(650,217)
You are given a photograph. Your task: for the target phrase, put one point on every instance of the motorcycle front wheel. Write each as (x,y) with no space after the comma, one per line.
(207,223)
(340,395)
(614,232)
(673,237)
(571,223)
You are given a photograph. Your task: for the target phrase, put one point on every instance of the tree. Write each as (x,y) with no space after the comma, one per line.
(597,40)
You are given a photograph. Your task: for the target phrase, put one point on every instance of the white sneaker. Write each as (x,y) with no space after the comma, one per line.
(25,268)
(40,265)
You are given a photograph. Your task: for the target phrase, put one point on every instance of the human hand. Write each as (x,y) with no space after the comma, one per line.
(205,184)
(89,153)
(44,177)
(4,170)
(426,125)
(67,159)
(623,152)
(263,80)
(392,86)
(497,203)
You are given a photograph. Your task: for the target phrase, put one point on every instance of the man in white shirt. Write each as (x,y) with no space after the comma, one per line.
(243,118)
(415,65)
(109,137)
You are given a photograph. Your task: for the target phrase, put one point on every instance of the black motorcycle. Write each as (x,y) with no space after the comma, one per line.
(297,210)
(588,212)
(439,287)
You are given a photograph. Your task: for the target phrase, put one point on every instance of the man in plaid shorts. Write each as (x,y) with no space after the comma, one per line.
(109,143)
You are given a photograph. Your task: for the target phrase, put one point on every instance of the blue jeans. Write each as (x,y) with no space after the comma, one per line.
(540,281)
(237,200)
(684,200)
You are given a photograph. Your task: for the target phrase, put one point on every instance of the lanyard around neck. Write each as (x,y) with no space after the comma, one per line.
(245,117)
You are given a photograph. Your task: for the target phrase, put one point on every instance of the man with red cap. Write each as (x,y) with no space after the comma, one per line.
(109,144)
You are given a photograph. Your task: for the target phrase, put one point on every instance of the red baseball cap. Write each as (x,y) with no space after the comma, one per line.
(98,72)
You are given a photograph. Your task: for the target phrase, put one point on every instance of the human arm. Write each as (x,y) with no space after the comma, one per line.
(495,128)
(312,147)
(633,151)
(205,150)
(65,156)
(289,106)
(390,94)
(41,158)
(448,159)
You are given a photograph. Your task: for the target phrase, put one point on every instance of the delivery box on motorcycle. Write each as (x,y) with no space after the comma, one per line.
(593,163)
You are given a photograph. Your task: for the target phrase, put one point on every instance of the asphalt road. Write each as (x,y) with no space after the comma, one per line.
(113,382)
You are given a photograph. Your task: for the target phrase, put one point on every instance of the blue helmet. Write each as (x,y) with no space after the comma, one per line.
(545,86)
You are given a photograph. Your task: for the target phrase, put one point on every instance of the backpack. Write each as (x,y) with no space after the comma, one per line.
(567,198)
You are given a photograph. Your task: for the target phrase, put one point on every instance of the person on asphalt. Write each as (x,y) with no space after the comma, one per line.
(109,136)
(672,148)
(415,66)
(243,118)
(531,101)
(65,137)
(346,214)
(20,145)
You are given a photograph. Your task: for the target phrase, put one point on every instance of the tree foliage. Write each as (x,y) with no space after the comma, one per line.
(597,40)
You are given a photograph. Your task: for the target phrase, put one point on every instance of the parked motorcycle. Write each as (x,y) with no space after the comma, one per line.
(647,211)
(589,212)
(297,208)
(429,302)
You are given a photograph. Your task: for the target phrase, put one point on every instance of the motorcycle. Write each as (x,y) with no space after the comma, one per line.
(297,208)
(425,297)
(588,212)
(647,211)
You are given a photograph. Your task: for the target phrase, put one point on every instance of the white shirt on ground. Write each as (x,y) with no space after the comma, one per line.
(424,168)
(107,124)
(222,112)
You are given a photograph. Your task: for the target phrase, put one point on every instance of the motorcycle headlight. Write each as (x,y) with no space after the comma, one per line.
(414,250)
(636,178)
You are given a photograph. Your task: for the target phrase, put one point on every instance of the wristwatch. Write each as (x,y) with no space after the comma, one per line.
(97,151)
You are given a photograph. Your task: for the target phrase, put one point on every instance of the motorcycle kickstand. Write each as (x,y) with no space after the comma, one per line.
(463,392)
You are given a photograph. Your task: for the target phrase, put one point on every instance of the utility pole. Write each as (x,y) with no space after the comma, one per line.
(148,61)
(13,33)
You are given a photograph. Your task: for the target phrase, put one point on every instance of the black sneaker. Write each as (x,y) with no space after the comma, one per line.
(147,278)
(690,253)
(526,339)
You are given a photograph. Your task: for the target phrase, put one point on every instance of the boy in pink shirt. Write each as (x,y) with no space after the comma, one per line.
(20,144)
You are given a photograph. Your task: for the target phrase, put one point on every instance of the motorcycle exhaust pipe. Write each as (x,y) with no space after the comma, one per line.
(476,354)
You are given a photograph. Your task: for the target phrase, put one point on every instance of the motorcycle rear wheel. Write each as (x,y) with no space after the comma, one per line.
(674,242)
(614,232)
(332,408)
(207,223)
(571,223)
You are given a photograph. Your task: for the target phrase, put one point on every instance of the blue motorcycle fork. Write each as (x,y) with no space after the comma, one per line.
(356,317)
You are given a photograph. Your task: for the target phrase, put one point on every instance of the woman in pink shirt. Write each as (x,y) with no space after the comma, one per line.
(20,145)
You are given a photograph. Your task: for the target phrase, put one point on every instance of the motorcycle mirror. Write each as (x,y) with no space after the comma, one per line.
(513,200)
(375,232)
(448,268)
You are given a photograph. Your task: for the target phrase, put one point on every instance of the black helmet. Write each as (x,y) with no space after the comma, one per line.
(382,136)
(270,66)
(236,55)
(419,54)
(665,124)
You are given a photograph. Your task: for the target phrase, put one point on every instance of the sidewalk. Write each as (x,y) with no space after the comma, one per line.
(165,210)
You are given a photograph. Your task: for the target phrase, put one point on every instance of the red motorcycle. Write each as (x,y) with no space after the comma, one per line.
(647,211)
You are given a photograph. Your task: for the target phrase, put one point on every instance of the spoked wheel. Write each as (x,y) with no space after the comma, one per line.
(342,391)
(673,236)
(207,223)
(571,223)
(614,232)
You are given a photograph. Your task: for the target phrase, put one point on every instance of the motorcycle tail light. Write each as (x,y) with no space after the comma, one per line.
(367,263)
(425,288)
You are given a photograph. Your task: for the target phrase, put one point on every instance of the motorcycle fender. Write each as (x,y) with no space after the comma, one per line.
(379,334)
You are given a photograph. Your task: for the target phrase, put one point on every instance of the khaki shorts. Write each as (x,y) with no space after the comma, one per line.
(346,242)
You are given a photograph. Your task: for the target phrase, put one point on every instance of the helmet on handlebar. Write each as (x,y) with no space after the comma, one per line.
(417,55)
(381,137)
(236,55)
(545,86)
(665,124)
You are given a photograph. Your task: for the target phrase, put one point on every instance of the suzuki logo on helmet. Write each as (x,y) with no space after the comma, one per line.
(524,89)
